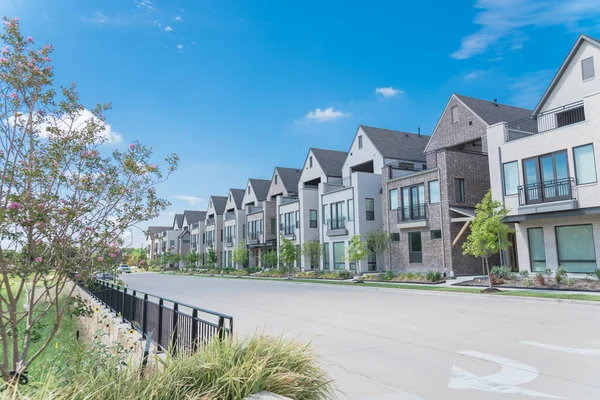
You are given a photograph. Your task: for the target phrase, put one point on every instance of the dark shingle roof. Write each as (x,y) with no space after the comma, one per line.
(238,196)
(397,144)
(492,113)
(178,220)
(331,161)
(158,229)
(289,177)
(260,187)
(219,203)
(192,216)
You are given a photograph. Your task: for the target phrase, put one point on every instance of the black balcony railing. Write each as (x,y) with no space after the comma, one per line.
(229,239)
(336,223)
(546,121)
(210,221)
(413,212)
(546,192)
(286,230)
(175,326)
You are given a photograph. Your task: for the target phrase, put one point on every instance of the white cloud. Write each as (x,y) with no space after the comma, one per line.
(473,75)
(168,29)
(528,89)
(189,199)
(171,213)
(388,91)
(178,18)
(329,114)
(180,46)
(501,22)
(98,18)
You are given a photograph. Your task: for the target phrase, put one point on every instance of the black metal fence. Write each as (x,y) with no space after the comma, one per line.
(175,326)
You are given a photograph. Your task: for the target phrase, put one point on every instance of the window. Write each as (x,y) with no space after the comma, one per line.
(276,179)
(587,69)
(360,141)
(372,262)
(325,214)
(393,199)
(288,223)
(395,237)
(537,250)
(244,231)
(413,203)
(229,196)
(436,234)
(310,162)
(370,209)
(511,178)
(414,247)
(273,226)
(576,250)
(351,210)
(313,218)
(546,178)
(172,244)
(338,221)
(338,256)
(434,192)
(203,238)
(248,190)
(585,164)
(459,190)
(454,113)
(297,219)
(221,235)
(326,256)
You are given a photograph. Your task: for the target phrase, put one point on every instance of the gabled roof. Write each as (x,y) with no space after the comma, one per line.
(219,203)
(331,161)
(491,113)
(582,38)
(397,144)
(192,216)
(178,220)
(157,229)
(260,187)
(238,196)
(289,178)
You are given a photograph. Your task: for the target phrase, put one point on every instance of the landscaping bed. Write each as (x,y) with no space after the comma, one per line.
(429,278)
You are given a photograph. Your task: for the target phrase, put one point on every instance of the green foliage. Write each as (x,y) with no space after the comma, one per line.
(526,282)
(377,241)
(288,254)
(313,251)
(570,282)
(524,274)
(502,272)
(240,254)
(191,258)
(597,273)
(434,276)
(357,250)
(560,275)
(274,273)
(269,259)
(336,274)
(211,257)
(539,277)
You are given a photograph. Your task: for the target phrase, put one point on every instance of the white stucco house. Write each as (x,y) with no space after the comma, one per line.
(261,223)
(234,221)
(545,169)
(213,226)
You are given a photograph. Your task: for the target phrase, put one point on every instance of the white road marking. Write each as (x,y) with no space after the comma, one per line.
(587,352)
(506,381)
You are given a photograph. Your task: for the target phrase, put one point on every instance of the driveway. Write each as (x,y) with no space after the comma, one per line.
(392,344)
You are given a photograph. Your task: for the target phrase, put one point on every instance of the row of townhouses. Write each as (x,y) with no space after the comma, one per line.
(423,189)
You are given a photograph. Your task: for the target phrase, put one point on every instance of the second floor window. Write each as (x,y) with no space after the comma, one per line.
(287,223)
(585,164)
(337,216)
(313,218)
(370,203)
(587,69)
(434,192)
(273,226)
(454,113)
(459,190)
(393,199)
(360,141)
(413,202)
(351,210)
(511,177)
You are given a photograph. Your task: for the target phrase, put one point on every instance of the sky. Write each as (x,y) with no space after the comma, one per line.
(237,87)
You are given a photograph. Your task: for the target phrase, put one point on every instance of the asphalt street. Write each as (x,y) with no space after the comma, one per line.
(392,344)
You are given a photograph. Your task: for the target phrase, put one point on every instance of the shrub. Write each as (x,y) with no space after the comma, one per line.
(539,277)
(336,274)
(524,274)
(570,282)
(560,275)
(434,276)
(527,282)
(410,275)
(548,273)
(274,273)
(597,273)
(502,272)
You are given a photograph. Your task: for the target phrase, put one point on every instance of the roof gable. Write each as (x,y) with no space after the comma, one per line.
(289,178)
(330,161)
(193,216)
(260,187)
(235,198)
(178,221)
(397,144)
(217,203)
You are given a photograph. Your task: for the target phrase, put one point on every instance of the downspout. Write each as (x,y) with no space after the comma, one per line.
(442,214)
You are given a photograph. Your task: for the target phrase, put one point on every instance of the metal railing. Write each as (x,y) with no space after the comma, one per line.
(287,200)
(229,239)
(174,326)
(210,221)
(336,223)
(253,209)
(546,192)
(229,215)
(413,212)
(546,121)
(337,183)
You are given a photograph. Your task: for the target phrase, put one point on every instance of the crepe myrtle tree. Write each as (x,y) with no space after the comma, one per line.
(65,200)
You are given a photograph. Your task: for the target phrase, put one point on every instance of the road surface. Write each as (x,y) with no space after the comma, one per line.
(393,344)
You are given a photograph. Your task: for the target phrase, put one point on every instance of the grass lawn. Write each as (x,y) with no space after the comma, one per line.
(434,288)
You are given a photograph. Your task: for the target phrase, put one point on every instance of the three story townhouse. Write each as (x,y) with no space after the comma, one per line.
(428,212)
(352,205)
(321,166)
(233,225)
(154,240)
(190,234)
(213,226)
(544,168)
(261,221)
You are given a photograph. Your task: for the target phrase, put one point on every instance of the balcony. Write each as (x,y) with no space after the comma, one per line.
(210,222)
(413,216)
(210,242)
(288,200)
(195,225)
(548,196)
(288,231)
(229,240)
(229,215)
(546,121)
(337,184)
(336,227)
(254,237)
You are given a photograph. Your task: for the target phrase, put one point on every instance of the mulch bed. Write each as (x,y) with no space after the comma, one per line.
(580,285)
(400,282)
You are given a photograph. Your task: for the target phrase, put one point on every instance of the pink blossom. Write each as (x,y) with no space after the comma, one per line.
(14,206)
(16,19)
(29,39)
(77,276)
(13,95)
(5,50)
(153,166)
(3,60)
(38,259)
(100,259)
(142,262)
(49,68)
(131,146)
(117,251)
(112,255)
(47,59)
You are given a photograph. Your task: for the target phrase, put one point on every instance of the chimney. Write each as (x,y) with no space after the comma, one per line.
(496,102)
(419,131)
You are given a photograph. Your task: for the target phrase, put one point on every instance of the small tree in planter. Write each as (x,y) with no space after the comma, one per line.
(377,241)
(240,254)
(270,259)
(488,234)
(357,251)
(191,258)
(211,257)
(288,255)
(313,251)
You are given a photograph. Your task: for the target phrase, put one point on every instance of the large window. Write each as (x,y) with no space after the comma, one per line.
(537,250)
(313,218)
(393,199)
(338,256)
(338,221)
(288,223)
(511,178)
(547,178)
(370,209)
(413,203)
(326,256)
(325,214)
(585,164)
(434,192)
(459,190)
(273,226)
(351,210)
(297,219)
(576,250)
(414,247)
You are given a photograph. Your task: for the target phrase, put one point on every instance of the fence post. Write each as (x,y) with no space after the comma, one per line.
(160,321)
(132,316)
(123,294)
(221,328)
(144,314)
(194,330)
(174,330)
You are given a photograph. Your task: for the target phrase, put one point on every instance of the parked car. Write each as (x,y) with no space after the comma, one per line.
(105,275)
(124,269)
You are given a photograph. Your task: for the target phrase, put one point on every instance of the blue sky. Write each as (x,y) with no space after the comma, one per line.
(236,87)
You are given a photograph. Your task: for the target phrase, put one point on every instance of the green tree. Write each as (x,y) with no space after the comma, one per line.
(377,241)
(488,234)
(191,258)
(136,256)
(211,257)
(288,255)
(240,254)
(169,258)
(357,250)
(65,199)
(313,251)
(270,259)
